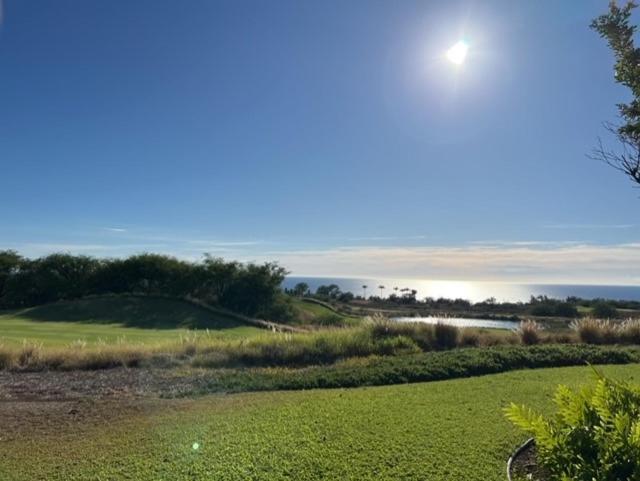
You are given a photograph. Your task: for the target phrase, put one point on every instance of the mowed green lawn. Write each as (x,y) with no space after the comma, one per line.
(449,430)
(110,319)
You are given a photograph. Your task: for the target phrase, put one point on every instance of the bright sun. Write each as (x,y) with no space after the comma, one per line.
(458,52)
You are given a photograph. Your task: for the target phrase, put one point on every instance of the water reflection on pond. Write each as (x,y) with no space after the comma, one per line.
(462,322)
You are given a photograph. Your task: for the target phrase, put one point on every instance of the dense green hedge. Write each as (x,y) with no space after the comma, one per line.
(430,366)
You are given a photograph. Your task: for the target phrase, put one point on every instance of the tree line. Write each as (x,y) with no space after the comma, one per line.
(250,289)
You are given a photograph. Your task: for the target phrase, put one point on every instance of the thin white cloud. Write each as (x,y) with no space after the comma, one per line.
(215,243)
(386,238)
(126,244)
(588,226)
(37,249)
(541,243)
(181,241)
(578,263)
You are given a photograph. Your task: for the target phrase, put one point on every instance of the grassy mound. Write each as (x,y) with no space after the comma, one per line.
(451,430)
(139,319)
(131,311)
(311,312)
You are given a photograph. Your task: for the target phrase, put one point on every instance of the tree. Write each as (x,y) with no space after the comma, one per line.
(491,301)
(254,289)
(382,288)
(615,28)
(301,289)
(604,310)
(9,265)
(251,289)
(332,291)
(364,288)
(346,297)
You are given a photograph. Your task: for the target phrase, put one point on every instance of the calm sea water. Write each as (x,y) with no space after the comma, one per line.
(472,291)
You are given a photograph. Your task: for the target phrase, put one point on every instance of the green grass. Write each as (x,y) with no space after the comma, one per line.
(310,312)
(315,307)
(109,319)
(450,430)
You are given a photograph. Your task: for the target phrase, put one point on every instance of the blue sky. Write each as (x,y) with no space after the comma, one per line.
(332,136)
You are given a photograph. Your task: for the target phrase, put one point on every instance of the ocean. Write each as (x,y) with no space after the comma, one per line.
(473,291)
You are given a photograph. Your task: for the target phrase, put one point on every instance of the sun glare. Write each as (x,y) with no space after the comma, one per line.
(458,52)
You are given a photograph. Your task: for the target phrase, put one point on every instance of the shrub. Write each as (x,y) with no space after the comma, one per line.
(630,331)
(445,336)
(560,338)
(529,333)
(565,309)
(595,331)
(469,338)
(30,354)
(551,308)
(421,333)
(604,310)
(595,434)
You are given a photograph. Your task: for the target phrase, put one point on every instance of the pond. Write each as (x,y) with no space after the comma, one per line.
(462,322)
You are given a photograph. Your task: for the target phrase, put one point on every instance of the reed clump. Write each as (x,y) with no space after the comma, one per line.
(606,331)
(529,332)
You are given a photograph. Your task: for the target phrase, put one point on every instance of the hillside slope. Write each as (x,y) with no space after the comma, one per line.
(110,318)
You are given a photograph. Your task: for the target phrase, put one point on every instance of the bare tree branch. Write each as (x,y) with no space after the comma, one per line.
(626,159)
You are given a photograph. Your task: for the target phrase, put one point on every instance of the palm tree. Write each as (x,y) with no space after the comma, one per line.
(364,288)
(381,287)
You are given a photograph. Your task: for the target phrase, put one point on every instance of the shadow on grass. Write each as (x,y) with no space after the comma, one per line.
(141,312)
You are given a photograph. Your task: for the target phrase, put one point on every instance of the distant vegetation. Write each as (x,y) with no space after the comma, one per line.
(249,289)
(406,299)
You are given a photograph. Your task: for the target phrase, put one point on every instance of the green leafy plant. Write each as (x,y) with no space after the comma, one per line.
(594,435)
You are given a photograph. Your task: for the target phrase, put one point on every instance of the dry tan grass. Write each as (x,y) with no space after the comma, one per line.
(377,336)
(529,332)
(605,331)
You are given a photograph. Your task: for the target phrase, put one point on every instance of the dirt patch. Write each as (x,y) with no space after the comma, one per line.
(120,383)
(41,404)
(525,465)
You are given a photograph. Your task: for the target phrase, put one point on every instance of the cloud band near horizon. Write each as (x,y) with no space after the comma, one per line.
(527,262)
